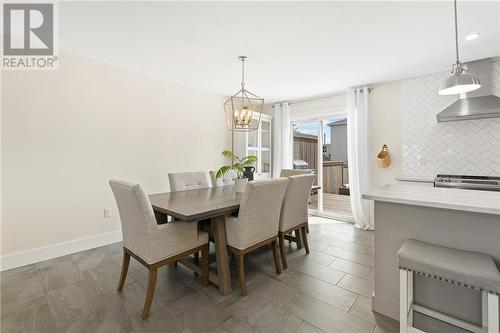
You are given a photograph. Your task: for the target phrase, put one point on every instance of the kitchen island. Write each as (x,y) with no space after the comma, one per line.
(462,219)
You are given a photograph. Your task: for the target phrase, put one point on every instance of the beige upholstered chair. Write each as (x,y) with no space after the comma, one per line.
(226,180)
(184,181)
(257,222)
(294,172)
(151,244)
(294,214)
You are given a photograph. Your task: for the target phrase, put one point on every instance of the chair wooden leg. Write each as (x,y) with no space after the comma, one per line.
(274,244)
(197,258)
(304,239)
(307,227)
(241,273)
(298,237)
(281,238)
(123,276)
(204,266)
(150,292)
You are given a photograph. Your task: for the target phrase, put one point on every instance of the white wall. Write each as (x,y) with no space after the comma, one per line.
(385,128)
(65,133)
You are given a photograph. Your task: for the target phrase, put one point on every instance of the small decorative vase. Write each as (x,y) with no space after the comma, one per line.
(240,184)
(248,173)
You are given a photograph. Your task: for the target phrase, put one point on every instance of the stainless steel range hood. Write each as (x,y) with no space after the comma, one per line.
(478,104)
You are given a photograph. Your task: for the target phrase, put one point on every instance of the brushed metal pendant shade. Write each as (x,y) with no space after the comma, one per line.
(460,81)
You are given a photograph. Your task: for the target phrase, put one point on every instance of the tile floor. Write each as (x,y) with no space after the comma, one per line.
(326,291)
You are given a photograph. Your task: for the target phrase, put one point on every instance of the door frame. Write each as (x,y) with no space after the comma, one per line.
(320,119)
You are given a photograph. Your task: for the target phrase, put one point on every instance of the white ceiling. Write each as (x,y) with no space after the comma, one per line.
(295,49)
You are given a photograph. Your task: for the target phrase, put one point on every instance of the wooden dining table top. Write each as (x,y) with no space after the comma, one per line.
(195,205)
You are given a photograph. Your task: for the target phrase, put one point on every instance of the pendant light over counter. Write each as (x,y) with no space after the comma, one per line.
(243,109)
(460,82)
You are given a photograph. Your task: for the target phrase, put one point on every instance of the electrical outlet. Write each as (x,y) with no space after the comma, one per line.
(108,212)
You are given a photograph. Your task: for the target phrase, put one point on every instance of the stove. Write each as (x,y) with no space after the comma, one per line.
(484,183)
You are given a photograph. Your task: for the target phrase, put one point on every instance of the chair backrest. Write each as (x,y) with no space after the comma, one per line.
(226,180)
(294,172)
(136,216)
(260,210)
(184,181)
(294,208)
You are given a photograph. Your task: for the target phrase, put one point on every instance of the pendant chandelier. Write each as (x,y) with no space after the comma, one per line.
(460,82)
(243,109)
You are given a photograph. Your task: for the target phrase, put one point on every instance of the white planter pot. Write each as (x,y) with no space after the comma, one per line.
(240,185)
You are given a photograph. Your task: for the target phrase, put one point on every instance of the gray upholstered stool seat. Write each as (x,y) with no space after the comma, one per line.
(466,268)
(472,269)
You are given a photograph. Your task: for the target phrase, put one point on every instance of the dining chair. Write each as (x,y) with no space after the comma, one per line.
(226,180)
(294,215)
(185,181)
(294,172)
(257,223)
(151,244)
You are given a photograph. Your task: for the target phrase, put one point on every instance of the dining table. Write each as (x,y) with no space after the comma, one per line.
(193,206)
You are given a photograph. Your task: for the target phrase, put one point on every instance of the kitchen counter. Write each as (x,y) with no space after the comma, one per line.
(487,202)
(462,219)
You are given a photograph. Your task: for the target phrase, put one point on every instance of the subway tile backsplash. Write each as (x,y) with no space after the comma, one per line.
(470,147)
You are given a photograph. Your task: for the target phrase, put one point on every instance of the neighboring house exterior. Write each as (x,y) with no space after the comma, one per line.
(337,149)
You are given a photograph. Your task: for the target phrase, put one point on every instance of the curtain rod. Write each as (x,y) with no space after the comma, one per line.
(305,100)
(313,98)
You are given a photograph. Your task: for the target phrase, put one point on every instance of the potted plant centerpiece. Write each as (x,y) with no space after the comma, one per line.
(238,165)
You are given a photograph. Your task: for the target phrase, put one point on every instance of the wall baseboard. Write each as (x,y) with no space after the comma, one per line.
(32,256)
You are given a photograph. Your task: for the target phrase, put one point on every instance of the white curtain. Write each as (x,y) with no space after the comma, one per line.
(282,144)
(357,147)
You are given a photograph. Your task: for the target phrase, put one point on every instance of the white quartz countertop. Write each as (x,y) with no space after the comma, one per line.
(464,200)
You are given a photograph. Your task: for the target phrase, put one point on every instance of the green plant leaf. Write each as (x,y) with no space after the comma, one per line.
(222,171)
(249,160)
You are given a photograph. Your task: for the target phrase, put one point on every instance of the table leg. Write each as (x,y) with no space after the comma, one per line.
(219,228)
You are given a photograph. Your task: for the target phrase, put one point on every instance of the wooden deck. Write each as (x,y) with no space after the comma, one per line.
(339,205)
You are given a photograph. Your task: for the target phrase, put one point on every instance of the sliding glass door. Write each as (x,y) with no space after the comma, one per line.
(321,145)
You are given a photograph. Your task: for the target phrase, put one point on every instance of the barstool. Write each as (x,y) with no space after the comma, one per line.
(469,269)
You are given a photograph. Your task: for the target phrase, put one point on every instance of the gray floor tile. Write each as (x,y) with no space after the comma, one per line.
(324,291)
(314,256)
(105,275)
(351,256)
(59,272)
(327,317)
(343,244)
(357,285)
(260,315)
(35,317)
(89,259)
(115,248)
(16,272)
(272,290)
(362,308)
(318,271)
(308,328)
(24,287)
(363,271)
(72,302)
(198,313)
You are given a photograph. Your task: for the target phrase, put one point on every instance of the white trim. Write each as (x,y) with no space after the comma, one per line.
(27,257)
(493,322)
(447,318)
(403,301)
